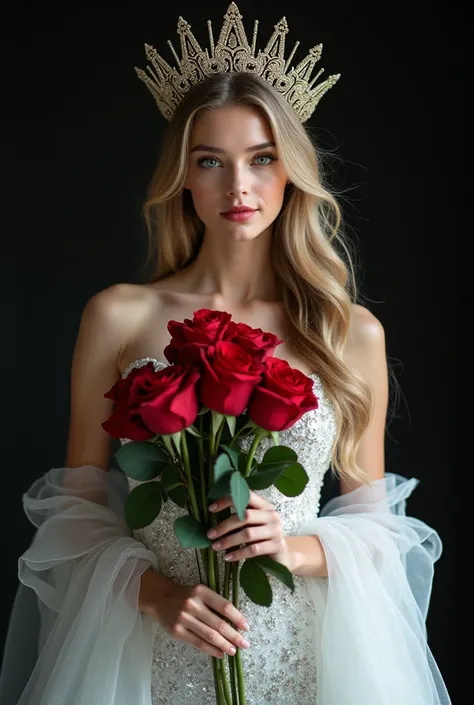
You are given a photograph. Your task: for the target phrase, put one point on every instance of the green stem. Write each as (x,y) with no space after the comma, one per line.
(198,564)
(225,682)
(240,678)
(233,681)
(239,671)
(226,593)
(202,475)
(219,433)
(235,436)
(216,572)
(213,558)
(210,569)
(210,472)
(204,563)
(220,674)
(259,434)
(226,590)
(189,478)
(217,682)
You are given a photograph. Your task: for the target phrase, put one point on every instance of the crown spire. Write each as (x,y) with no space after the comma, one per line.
(233,53)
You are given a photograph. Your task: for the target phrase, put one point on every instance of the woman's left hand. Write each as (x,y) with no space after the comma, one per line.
(261,530)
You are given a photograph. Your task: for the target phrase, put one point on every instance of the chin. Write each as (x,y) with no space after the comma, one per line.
(240,233)
(245,237)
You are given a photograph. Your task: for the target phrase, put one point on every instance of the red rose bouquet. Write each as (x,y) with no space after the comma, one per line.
(185,423)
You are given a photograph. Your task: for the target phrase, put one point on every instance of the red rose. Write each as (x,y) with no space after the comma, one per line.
(254,340)
(168,399)
(125,421)
(282,397)
(229,379)
(161,402)
(191,340)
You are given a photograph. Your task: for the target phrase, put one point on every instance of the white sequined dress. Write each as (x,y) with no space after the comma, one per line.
(280,664)
(355,637)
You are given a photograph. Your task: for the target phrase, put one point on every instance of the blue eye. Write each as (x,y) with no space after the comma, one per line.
(202,162)
(207,159)
(266,156)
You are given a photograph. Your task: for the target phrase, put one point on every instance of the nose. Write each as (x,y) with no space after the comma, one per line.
(238,182)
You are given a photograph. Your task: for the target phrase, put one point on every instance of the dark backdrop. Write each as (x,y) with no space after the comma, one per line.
(81,136)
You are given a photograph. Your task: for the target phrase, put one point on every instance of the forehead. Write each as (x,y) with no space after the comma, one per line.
(232,128)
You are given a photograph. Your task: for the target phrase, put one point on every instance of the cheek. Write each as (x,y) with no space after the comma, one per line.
(203,183)
(203,194)
(272,191)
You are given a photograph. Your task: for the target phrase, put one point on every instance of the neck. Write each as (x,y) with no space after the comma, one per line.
(235,271)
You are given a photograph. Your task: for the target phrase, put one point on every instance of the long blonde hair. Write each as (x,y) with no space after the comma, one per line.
(309,251)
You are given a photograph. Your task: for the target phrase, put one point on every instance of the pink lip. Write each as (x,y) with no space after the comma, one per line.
(238,216)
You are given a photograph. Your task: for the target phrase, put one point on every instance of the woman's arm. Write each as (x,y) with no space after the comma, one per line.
(365,353)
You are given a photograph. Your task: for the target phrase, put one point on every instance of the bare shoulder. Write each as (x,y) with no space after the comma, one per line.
(118,308)
(104,328)
(365,328)
(365,347)
(116,299)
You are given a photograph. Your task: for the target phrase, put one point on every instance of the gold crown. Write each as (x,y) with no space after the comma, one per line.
(233,54)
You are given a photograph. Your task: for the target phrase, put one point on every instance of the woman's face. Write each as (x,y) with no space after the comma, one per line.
(233,162)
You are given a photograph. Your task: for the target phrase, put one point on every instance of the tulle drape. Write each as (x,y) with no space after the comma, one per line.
(371,637)
(83,641)
(93,645)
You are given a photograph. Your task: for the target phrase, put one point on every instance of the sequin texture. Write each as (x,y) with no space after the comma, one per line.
(279,666)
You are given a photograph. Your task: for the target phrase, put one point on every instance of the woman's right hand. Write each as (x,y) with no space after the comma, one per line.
(188,613)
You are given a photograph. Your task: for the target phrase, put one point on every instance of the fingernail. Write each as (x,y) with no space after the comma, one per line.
(211,533)
(232,650)
(212,507)
(244,643)
(246,627)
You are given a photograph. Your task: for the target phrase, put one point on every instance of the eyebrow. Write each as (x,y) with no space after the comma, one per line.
(218,150)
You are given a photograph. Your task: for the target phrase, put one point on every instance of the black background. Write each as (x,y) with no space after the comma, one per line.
(81,135)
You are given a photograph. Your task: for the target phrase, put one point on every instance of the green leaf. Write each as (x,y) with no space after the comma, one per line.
(278,570)
(262,479)
(178,495)
(278,456)
(143,505)
(240,493)
(193,431)
(275,436)
(167,441)
(142,460)
(255,583)
(216,421)
(177,441)
(171,481)
(231,424)
(233,455)
(292,481)
(190,533)
(221,488)
(221,466)
(171,477)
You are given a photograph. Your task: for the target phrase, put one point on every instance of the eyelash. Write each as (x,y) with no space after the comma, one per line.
(263,154)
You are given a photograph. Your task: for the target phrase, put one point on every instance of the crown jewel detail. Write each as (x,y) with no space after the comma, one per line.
(233,54)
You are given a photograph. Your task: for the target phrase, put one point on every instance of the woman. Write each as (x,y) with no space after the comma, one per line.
(243,224)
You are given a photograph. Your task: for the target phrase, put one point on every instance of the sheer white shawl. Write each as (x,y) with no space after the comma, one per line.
(83,641)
